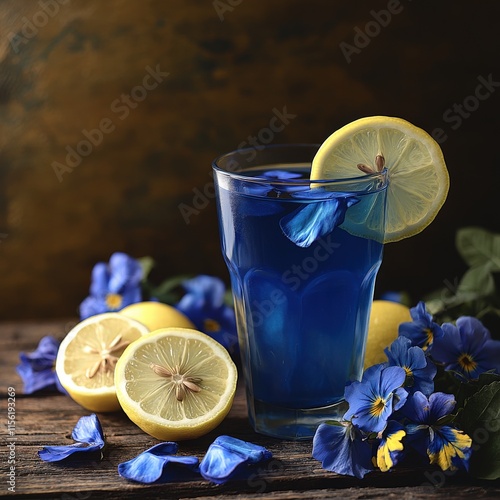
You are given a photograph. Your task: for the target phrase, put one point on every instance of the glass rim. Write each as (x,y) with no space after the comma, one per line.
(238,175)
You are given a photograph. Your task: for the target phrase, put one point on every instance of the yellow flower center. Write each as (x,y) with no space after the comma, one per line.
(210,325)
(114,300)
(466,362)
(429,339)
(378,407)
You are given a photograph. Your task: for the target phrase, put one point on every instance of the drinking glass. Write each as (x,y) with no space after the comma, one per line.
(302,257)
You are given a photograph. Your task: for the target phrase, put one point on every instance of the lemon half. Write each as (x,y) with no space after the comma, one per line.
(87,357)
(418,178)
(176,383)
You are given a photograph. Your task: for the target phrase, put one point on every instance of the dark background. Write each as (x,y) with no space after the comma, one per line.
(64,64)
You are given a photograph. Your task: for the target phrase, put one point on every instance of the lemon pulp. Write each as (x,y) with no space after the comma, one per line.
(176,383)
(87,357)
(418,178)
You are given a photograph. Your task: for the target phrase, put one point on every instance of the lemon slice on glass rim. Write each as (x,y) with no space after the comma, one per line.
(87,356)
(418,177)
(176,383)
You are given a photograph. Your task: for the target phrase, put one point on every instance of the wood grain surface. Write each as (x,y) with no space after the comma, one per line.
(48,419)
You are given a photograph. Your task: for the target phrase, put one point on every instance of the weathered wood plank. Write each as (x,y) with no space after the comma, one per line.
(48,419)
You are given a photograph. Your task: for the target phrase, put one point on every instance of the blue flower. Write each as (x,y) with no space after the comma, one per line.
(390,449)
(90,439)
(445,446)
(422,331)
(373,400)
(230,458)
(317,219)
(159,464)
(341,448)
(204,305)
(467,348)
(37,368)
(113,286)
(420,371)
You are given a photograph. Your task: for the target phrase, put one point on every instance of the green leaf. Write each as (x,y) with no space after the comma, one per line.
(479,247)
(477,281)
(480,419)
(147,263)
(468,389)
(167,290)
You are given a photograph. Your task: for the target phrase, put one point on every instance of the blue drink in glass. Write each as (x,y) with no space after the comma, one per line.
(302,257)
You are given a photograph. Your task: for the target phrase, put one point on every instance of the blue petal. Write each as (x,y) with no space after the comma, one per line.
(449,448)
(99,285)
(159,464)
(342,449)
(390,449)
(228,458)
(315,220)
(210,288)
(88,433)
(88,430)
(34,381)
(125,272)
(92,306)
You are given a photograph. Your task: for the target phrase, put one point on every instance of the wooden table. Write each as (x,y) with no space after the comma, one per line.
(48,419)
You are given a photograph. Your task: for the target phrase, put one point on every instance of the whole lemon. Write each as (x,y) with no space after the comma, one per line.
(385,318)
(156,315)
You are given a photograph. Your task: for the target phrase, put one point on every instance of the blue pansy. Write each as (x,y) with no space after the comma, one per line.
(341,448)
(113,286)
(467,348)
(420,371)
(37,368)
(422,331)
(204,305)
(231,458)
(314,220)
(283,182)
(89,440)
(373,400)
(159,464)
(445,446)
(390,448)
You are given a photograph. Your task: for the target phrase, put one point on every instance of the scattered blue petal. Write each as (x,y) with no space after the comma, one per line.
(159,464)
(90,439)
(341,448)
(37,368)
(315,220)
(231,458)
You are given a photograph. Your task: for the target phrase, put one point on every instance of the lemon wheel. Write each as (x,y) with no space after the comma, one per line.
(418,177)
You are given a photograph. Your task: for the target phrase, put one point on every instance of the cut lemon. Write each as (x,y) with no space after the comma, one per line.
(176,383)
(87,357)
(418,178)
(156,315)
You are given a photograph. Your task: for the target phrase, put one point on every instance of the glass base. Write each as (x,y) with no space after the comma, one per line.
(292,423)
